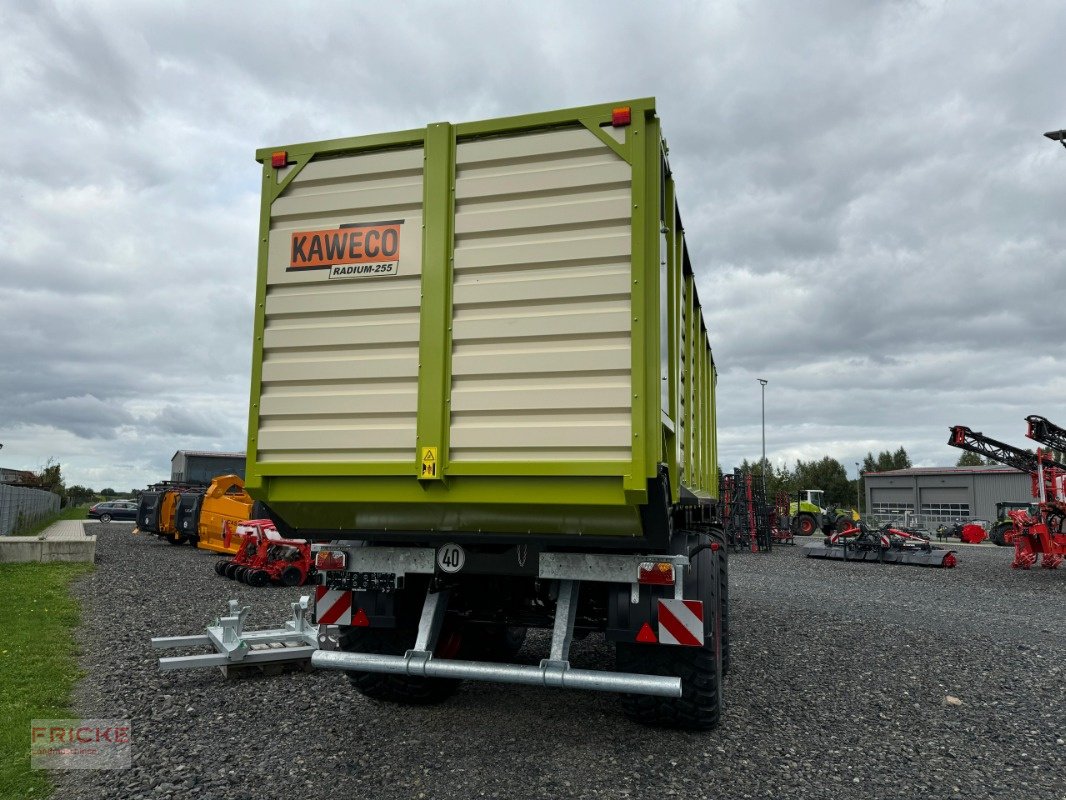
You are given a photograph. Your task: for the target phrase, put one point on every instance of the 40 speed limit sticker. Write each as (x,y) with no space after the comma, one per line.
(450,558)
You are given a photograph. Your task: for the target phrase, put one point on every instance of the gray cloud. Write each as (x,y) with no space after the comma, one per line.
(874,217)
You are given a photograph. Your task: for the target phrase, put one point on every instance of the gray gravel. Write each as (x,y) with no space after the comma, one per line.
(840,673)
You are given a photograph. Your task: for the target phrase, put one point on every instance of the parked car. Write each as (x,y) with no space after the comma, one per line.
(114,509)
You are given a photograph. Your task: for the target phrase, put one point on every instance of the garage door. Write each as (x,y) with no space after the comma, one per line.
(946,502)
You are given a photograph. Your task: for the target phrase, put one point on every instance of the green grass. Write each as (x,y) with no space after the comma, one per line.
(38,664)
(70,512)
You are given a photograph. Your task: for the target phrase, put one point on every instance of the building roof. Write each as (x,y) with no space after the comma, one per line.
(984,469)
(207,453)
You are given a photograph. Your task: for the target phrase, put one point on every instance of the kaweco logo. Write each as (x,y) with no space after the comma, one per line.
(353,250)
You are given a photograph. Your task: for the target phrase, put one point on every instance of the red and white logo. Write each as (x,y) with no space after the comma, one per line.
(681,622)
(333,606)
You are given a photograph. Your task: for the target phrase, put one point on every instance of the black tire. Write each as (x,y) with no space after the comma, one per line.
(230,570)
(698,708)
(392,688)
(723,595)
(257,578)
(105,518)
(240,573)
(700,668)
(997,534)
(292,576)
(485,643)
(220,567)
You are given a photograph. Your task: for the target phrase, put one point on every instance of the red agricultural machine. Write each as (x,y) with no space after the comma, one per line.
(1034,537)
(264,556)
(885,545)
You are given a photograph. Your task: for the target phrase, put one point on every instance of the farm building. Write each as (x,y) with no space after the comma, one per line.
(942,494)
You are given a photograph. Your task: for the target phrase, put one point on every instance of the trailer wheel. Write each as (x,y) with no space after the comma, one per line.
(258,578)
(699,706)
(230,570)
(387,687)
(699,668)
(723,594)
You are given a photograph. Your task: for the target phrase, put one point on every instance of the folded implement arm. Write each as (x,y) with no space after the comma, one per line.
(1001,452)
(1042,430)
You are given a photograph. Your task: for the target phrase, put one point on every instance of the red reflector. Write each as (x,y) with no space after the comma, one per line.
(279,159)
(330,560)
(656,573)
(646,634)
(360,619)
(621,116)
(715,547)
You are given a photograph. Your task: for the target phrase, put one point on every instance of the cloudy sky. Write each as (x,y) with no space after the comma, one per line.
(878,226)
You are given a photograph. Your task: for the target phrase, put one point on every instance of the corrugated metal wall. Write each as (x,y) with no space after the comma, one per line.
(340,358)
(21,506)
(979,490)
(541,296)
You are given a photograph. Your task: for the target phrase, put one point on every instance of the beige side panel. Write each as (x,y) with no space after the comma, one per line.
(340,355)
(541,301)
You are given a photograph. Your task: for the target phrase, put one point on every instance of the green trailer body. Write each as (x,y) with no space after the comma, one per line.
(489,327)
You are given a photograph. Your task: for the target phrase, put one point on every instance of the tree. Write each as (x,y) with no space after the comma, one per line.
(108,492)
(50,478)
(886,461)
(968,459)
(78,495)
(827,474)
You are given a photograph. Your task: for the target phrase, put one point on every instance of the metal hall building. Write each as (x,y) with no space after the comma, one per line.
(941,494)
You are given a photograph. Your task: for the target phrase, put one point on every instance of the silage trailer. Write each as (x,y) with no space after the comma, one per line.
(482,386)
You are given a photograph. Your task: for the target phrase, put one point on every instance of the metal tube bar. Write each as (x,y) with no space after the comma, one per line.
(223,660)
(164,642)
(592,680)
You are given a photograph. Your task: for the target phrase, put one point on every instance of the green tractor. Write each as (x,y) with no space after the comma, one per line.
(810,514)
(1004,524)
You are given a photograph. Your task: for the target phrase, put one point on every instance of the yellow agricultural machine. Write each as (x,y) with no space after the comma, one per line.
(197,514)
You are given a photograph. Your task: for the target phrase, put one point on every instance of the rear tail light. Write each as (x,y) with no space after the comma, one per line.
(279,159)
(331,560)
(656,573)
(621,116)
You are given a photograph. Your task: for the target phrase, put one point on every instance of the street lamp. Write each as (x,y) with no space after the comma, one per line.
(762,464)
(858,483)
(1057,136)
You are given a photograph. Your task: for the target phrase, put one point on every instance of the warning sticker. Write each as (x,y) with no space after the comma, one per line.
(429,462)
(352,250)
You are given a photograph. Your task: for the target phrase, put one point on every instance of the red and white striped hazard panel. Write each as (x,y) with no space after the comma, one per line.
(681,622)
(333,606)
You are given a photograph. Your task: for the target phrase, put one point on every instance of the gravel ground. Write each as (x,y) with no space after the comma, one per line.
(839,677)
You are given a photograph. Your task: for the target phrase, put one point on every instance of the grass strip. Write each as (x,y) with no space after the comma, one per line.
(38,664)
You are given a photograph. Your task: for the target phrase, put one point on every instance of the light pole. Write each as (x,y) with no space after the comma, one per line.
(762,464)
(858,485)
